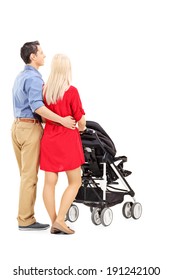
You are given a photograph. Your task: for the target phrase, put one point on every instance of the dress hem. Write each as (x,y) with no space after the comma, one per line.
(62,170)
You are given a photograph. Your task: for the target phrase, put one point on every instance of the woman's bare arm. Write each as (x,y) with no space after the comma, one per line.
(82,124)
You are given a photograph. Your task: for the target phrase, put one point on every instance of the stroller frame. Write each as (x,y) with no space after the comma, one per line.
(98,189)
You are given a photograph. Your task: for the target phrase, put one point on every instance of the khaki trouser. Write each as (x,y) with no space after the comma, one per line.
(26,143)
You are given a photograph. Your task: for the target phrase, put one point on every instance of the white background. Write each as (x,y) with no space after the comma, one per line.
(122,59)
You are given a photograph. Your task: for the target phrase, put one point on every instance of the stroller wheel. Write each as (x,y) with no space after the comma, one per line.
(136,210)
(127,209)
(73,213)
(95,216)
(106,216)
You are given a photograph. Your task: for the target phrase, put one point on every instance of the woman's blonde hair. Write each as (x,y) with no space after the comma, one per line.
(59,79)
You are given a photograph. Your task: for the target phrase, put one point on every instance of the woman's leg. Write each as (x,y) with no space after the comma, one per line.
(74,183)
(50,182)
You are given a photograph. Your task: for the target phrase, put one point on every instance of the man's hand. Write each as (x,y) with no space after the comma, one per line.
(68,122)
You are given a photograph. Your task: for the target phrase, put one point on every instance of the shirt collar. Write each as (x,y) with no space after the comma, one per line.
(29,67)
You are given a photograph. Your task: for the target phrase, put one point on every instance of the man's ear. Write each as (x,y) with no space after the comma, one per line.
(32,56)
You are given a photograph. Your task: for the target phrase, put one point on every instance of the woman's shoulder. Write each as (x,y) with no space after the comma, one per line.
(71,92)
(72,89)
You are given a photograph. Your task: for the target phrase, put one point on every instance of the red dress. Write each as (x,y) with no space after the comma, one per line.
(61,147)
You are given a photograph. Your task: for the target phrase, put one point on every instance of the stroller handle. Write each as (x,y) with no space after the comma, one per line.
(88,130)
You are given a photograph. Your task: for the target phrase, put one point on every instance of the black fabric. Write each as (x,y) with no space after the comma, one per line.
(94,197)
(98,148)
(89,139)
(90,194)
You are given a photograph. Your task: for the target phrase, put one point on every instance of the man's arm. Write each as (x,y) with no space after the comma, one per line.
(33,86)
(68,121)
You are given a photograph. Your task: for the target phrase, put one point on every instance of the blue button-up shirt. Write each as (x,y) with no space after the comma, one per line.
(27,93)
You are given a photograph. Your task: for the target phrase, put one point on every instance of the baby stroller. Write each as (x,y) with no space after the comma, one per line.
(101,174)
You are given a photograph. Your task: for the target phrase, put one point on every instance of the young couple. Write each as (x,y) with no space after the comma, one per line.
(58,148)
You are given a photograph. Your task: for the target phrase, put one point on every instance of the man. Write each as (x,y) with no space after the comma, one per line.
(27,130)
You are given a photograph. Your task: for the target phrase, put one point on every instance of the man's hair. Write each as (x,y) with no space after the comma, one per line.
(27,49)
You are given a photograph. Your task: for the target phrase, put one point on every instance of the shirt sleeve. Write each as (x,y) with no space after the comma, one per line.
(76,106)
(34,88)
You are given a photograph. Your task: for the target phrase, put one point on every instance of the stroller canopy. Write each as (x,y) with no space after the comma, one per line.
(102,139)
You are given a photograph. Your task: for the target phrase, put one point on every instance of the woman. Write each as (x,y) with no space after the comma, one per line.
(61,148)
